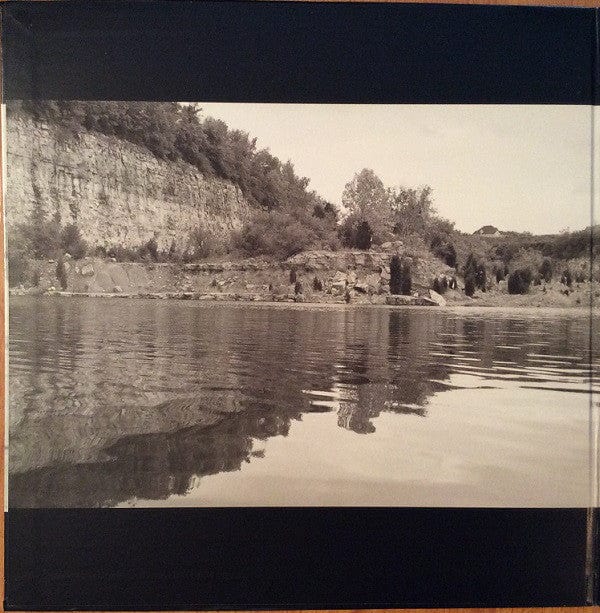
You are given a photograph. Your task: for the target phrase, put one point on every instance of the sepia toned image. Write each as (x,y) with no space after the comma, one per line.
(224,305)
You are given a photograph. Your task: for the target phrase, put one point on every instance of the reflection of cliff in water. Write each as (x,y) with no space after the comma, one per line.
(113,400)
(150,466)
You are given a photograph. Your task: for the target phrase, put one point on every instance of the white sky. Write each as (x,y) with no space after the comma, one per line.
(518,167)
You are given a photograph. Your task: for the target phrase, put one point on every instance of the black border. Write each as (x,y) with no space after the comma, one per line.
(287,558)
(301,52)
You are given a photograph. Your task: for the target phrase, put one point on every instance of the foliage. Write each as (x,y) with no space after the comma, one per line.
(297,288)
(72,243)
(400,276)
(475,268)
(17,259)
(566,278)
(149,250)
(364,236)
(202,243)
(317,284)
(519,281)
(173,131)
(444,250)
(440,285)
(367,200)
(293,276)
(470,285)
(547,269)
(61,273)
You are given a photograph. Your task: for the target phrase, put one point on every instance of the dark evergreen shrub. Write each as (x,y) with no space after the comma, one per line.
(395,275)
(519,281)
(364,236)
(293,276)
(546,270)
(317,285)
(298,288)
(469,285)
(61,273)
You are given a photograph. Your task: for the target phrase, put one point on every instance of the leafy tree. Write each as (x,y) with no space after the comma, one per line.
(367,200)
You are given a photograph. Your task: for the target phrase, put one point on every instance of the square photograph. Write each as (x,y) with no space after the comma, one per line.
(300,305)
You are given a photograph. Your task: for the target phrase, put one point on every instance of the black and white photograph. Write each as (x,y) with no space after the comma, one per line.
(306,305)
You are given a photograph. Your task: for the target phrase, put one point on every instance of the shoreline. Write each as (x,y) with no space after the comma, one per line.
(288,301)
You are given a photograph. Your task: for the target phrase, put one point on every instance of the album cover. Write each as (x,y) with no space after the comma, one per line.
(300,305)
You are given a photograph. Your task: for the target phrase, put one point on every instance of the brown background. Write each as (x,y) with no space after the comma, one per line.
(573,3)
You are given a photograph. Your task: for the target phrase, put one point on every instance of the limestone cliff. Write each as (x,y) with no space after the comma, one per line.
(117,193)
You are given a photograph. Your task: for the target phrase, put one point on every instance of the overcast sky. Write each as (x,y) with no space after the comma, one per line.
(524,168)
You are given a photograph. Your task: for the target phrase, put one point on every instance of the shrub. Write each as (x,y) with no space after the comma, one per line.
(406,279)
(364,236)
(519,281)
(395,275)
(440,285)
(444,250)
(469,285)
(17,261)
(202,243)
(72,243)
(149,250)
(317,285)
(61,273)
(475,268)
(297,288)
(547,270)
(293,276)
(566,278)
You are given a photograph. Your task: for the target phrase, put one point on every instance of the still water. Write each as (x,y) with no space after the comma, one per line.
(164,403)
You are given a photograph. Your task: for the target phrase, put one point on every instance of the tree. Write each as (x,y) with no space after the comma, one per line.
(519,281)
(469,285)
(364,236)
(61,273)
(412,210)
(547,270)
(475,268)
(366,198)
(395,275)
(72,243)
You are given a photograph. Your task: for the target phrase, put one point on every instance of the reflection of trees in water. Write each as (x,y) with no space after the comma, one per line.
(387,369)
(102,407)
(150,466)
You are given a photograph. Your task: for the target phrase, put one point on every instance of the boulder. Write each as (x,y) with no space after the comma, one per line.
(117,289)
(437,298)
(87,270)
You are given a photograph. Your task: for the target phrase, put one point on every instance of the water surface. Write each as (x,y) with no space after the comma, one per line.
(144,402)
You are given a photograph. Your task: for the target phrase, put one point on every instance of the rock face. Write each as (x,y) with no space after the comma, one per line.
(117,193)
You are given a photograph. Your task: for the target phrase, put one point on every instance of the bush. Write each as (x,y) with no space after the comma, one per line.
(519,281)
(61,273)
(202,243)
(475,268)
(72,243)
(297,288)
(470,285)
(364,236)
(17,261)
(444,250)
(440,285)
(293,276)
(566,278)
(149,250)
(395,275)
(317,285)
(547,270)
